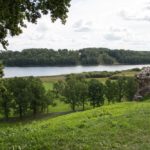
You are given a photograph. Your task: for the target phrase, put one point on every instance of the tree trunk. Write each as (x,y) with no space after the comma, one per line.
(83,107)
(20,111)
(6,111)
(34,109)
(73,106)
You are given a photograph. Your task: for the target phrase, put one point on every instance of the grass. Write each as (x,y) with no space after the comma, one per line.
(48,85)
(60,107)
(127,73)
(114,127)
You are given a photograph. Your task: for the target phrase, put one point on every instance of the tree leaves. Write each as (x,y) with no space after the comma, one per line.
(14,13)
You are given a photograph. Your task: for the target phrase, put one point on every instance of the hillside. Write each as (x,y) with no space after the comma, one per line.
(87,56)
(119,126)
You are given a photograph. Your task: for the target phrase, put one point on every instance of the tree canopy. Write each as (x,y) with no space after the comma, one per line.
(15,13)
(65,57)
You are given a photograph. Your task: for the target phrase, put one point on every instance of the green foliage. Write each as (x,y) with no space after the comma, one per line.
(1,70)
(19,88)
(83,92)
(64,57)
(23,95)
(124,88)
(37,95)
(13,14)
(6,100)
(96,93)
(71,92)
(131,88)
(120,85)
(111,91)
(58,88)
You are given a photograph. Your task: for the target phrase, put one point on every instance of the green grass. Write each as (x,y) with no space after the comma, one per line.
(127,73)
(63,107)
(48,85)
(124,126)
(60,107)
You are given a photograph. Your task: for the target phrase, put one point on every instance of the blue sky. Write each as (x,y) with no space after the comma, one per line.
(116,24)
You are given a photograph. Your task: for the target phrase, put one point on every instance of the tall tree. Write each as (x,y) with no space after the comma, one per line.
(83,92)
(5,98)
(58,88)
(1,70)
(71,92)
(96,92)
(19,89)
(120,84)
(111,91)
(37,95)
(131,88)
(13,14)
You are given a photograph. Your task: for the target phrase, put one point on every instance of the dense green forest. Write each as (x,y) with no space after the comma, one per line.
(87,56)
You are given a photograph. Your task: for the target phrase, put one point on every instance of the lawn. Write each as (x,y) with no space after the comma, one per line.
(122,126)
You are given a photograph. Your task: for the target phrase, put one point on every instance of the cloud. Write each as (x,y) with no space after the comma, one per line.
(83,26)
(112,37)
(78,24)
(116,34)
(134,17)
(139,14)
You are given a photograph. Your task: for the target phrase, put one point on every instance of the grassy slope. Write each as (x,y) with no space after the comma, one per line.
(124,126)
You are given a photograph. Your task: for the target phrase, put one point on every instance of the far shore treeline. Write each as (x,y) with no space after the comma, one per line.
(64,57)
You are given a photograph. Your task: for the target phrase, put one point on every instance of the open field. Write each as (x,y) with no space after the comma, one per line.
(119,126)
(48,81)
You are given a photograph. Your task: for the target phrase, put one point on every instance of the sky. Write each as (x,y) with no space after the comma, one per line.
(115,24)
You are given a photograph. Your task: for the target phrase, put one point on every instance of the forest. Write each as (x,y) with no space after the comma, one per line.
(65,57)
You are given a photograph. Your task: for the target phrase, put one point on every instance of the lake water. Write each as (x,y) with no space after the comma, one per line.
(51,71)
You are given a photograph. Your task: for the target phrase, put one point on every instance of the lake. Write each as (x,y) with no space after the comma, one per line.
(52,71)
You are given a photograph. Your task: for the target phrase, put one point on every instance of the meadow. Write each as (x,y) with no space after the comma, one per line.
(116,127)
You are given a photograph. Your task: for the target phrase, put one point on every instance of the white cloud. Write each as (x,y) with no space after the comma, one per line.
(92,23)
(81,26)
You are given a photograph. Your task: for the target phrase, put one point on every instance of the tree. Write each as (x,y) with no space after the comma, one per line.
(38,100)
(1,70)
(83,92)
(58,88)
(110,90)
(96,92)
(71,92)
(131,88)
(19,88)
(120,85)
(13,14)
(5,98)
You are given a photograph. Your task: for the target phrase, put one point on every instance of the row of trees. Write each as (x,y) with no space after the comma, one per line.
(88,56)
(26,96)
(77,91)
(22,96)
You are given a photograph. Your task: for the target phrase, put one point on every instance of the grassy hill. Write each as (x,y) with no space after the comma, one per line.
(119,126)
